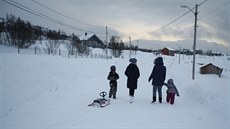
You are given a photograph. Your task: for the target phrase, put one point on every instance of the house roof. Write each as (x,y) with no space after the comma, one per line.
(171,49)
(210,64)
(85,37)
(207,65)
(90,38)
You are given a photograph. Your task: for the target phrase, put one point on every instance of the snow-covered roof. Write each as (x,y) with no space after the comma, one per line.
(85,37)
(171,49)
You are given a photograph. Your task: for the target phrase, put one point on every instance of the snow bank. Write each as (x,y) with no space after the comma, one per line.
(40,91)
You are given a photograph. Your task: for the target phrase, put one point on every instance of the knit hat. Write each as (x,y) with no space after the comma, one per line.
(133,60)
(113,68)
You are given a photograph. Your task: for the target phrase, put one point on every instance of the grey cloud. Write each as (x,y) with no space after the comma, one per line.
(118,13)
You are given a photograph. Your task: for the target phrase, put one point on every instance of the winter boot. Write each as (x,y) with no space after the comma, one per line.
(131,99)
(160,99)
(114,97)
(154,99)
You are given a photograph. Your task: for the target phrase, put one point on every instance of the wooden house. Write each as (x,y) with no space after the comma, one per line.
(167,51)
(211,69)
(91,40)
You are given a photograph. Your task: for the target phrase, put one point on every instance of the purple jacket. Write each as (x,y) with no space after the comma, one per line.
(171,87)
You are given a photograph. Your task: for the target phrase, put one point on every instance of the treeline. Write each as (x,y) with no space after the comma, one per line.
(117,46)
(16,32)
(23,34)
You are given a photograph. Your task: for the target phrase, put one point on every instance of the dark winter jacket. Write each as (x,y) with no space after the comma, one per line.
(132,72)
(159,72)
(171,87)
(113,76)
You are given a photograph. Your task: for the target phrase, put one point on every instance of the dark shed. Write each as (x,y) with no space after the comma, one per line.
(211,69)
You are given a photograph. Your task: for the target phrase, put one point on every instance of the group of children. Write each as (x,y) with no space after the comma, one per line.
(113,77)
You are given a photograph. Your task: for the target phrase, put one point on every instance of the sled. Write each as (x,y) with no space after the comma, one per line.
(102,102)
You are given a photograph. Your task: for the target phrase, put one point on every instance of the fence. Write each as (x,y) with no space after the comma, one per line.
(59,52)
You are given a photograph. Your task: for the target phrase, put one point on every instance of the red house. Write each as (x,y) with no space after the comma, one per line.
(166,51)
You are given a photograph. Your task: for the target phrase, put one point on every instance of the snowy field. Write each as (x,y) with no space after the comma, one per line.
(53,92)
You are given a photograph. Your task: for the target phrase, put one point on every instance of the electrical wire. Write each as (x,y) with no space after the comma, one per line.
(61,13)
(173,21)
(176,19)
(213,14)
(24,8)
(31,11)
(215,10)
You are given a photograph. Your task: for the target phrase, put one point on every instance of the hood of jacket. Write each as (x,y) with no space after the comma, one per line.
(158,61)
(170,81)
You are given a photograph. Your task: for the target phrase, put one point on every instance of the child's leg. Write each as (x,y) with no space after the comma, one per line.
(168,97)
(114,91)
(172,98)
(131,92)
(111,90)
(131,95)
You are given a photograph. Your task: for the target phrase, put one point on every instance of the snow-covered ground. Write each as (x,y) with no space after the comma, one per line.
(53,92)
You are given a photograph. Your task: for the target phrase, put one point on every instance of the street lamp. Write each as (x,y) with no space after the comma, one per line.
(194,42)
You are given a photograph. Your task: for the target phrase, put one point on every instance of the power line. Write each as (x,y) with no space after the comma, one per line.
(216,9)
(177,18)
(219,9)
(67,17)
(213,15)
(60,13)
(31,11)
(173,21)
(24,8)
(199,11)
(201,3)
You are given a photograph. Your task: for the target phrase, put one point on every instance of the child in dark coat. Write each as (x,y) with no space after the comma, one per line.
(171,91)
(113,76)
(132,72)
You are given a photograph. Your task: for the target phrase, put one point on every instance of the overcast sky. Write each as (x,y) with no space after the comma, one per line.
(147,21)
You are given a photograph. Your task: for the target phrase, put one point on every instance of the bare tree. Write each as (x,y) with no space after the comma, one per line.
(116,45)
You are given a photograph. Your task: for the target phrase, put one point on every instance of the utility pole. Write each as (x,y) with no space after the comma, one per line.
(106,42)
(194,42)
(194,45)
